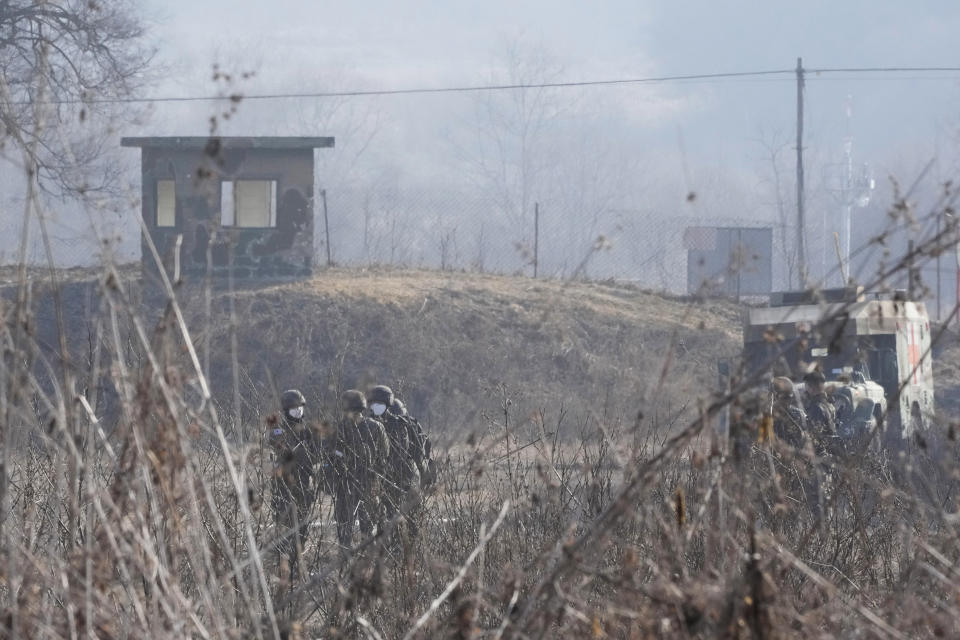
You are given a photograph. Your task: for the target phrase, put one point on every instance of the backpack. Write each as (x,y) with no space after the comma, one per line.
(420,451)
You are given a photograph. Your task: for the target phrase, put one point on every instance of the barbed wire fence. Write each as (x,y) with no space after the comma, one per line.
(78,240)
(451,230)
(458,229)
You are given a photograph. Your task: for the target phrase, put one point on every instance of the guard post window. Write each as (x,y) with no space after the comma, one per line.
(166,203)
(248,203)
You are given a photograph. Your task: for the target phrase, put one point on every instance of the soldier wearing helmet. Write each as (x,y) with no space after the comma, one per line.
(423,471)
(359,445)
(400,473)
(820,413)
(379,399)
(788,416)
(419,448)
(294,488)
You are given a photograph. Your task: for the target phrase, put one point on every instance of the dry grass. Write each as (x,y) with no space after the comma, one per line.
(466,291)
(449,341)
(583,489)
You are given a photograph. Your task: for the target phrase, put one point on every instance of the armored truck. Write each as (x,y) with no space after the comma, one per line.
(857,340)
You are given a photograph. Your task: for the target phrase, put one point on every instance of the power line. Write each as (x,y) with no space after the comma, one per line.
(862,78)
(422,90)
(237,97)
(882,69)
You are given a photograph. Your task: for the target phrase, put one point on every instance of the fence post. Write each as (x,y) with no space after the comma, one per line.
(536,237)
(326,225)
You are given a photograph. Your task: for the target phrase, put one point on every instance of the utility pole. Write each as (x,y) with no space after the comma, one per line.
(939,243)
(801,222)
(957,281)
(536,237)
(326,226)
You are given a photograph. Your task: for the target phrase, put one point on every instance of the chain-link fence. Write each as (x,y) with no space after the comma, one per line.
(68,235)
(443,229)
(429,228)
(465,229)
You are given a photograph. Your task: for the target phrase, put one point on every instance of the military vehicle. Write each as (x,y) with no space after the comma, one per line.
(869,347)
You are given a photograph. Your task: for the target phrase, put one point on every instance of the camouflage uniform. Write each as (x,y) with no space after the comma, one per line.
(821,421)
(360,443)
(788,416)
(821,425)
(400,472)
(421,468)
(375,439)
(296,451)
(419,447)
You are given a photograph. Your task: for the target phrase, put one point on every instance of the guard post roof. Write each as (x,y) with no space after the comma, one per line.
(230,142)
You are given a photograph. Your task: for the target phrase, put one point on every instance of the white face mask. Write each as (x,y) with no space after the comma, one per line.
(296,413)
(378,408)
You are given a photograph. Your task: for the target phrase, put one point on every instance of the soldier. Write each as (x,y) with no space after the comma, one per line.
(821,426)
(294,490)
(423,472)
(419,446)
(788,417)
(821,415)
(360,446)
(400,473)
(375,436)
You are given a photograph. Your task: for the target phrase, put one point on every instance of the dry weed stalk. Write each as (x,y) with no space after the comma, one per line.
(151,523)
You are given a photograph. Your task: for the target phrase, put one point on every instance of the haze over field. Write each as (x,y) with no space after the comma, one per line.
(613,160)
(526,383)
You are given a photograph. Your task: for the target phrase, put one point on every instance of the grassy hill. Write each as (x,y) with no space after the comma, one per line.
(634,540)
(456,345)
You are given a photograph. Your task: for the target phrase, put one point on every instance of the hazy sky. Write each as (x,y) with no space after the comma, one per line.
(450,41)
(704,136)
(305,45)
(708,136)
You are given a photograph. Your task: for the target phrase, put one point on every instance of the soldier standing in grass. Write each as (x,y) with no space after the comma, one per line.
(375,437)
(422,468)
(294,490)
(788,416)
(400,475)
(419,447)
(821,425)
(357,455)
(821,415)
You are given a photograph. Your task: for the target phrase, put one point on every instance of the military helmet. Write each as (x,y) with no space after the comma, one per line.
(382,394)
(782,385)
(353,400)
(397,407)
(291,398)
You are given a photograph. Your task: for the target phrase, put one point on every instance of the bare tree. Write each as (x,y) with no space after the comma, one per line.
(356,123)
(532,144)
(66,67)
(776,148)
(593,178)
(509,153)
(353,171)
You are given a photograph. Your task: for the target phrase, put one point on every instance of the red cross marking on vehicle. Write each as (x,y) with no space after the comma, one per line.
(913,353)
